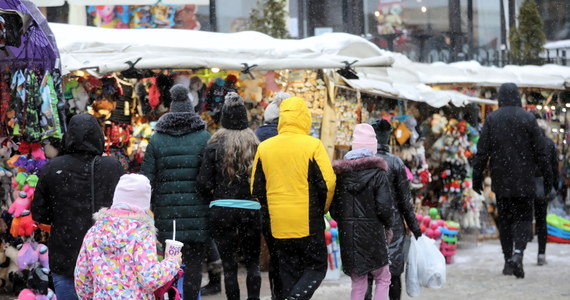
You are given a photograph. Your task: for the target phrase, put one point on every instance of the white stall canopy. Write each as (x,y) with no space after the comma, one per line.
(41,3)
(109,50)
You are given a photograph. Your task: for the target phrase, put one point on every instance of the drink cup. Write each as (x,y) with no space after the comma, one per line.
(172,248)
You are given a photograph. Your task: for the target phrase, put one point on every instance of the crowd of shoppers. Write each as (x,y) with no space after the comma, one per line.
(227,190)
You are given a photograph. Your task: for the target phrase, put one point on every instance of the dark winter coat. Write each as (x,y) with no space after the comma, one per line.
(362,206)
(402,208)
(552,158)
(213,184)
(511,142)
(63,195)
(266,131)
(171,163)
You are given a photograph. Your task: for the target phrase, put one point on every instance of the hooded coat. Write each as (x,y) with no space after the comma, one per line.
(266,131)
(292,175)
(118,258)
(402,208)
(511,142)
(62,197)
(362,206)
(171,163)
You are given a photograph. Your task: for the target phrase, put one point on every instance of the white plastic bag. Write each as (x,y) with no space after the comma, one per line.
(425,266)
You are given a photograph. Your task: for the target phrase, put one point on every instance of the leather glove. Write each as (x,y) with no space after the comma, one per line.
(478,187)
(417,232)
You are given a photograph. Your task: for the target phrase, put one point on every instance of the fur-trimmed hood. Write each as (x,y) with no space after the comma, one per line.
(367,169)
(343,166)
(179,123)
(116,228)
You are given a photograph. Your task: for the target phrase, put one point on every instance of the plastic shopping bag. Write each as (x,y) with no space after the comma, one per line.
(425,266)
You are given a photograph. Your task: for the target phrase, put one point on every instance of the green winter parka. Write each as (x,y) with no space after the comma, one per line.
(171,163)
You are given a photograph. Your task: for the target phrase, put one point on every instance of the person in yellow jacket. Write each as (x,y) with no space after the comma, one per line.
(293,178)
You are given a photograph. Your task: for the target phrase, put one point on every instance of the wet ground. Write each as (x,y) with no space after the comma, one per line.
(475,274)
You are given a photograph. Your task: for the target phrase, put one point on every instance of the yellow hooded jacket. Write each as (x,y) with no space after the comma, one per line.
(292,175)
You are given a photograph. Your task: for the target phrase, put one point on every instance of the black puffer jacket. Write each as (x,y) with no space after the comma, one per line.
(212,183)
(362,206)
(402,208)
(63,196)
(511,142)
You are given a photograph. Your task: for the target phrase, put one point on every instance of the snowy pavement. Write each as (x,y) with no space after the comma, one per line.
(475,274)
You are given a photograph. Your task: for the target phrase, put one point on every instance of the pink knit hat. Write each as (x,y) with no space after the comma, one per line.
(364,137)
(134,191)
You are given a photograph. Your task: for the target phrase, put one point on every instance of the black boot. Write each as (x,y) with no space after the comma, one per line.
(214,285)
(517,264)
(507,269)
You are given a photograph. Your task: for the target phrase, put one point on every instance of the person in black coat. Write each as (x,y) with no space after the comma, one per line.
(67,196)
(362,206)
(543,196)
(511,142)
(271,117)
(234,214)
(402,207)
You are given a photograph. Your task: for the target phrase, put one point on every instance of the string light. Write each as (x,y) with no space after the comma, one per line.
(539,107)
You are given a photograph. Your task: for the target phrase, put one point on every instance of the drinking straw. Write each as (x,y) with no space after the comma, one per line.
(174,230)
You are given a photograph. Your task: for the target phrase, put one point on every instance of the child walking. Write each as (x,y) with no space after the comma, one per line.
(362,206)
(118,258)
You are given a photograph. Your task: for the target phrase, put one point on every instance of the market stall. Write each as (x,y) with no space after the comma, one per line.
(30,94)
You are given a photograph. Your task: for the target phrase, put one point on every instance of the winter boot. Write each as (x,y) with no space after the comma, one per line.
(541,260)
(507,269)
(516,263)
(214,285)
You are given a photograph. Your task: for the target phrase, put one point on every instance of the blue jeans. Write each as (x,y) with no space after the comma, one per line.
(64,287)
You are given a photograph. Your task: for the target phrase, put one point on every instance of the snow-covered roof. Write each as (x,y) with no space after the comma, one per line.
(563,44)
(108,50)
(473,73)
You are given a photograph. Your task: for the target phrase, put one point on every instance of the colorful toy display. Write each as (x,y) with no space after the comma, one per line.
(436,228)
(333,248)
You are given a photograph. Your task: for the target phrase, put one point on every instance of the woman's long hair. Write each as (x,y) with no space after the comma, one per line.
(239,151)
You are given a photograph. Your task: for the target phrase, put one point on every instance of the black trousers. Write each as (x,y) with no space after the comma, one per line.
(302,265)
(540,208)
(192,256)
(515,223)
(232,228)
(274,279)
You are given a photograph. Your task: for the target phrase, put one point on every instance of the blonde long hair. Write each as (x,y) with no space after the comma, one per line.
(239,151)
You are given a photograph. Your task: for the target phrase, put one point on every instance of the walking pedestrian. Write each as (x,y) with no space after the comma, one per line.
(118,258)
(214,266)
(293,177)
(234,214)
(512,144)
(544,195)
(402,208)
(171,163)
(271,117)
(269,130)
(362,206)
(70,189)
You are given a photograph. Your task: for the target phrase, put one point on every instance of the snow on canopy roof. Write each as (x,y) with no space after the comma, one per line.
(562,44)
(473,73)
(108,50)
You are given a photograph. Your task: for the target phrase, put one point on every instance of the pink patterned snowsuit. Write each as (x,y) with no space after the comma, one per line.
(118,258)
